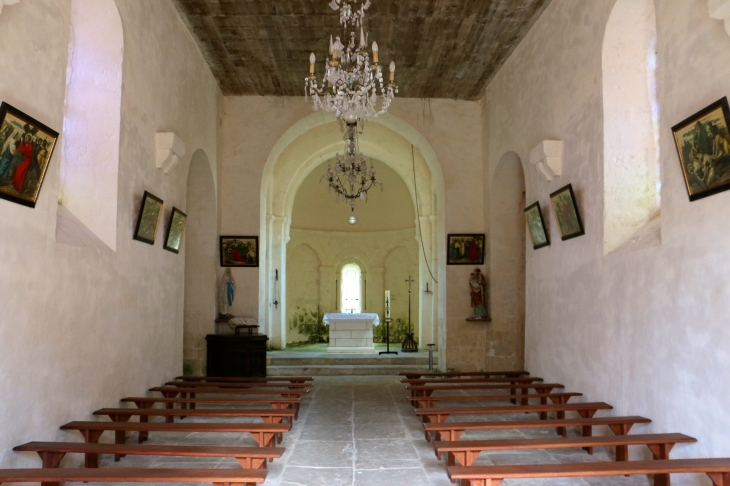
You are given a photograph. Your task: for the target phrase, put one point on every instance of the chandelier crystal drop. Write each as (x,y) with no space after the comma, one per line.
(350,178)
(351,85)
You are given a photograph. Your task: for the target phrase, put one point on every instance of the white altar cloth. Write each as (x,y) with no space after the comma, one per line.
(351,333)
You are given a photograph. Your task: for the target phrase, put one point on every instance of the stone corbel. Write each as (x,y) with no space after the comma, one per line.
(7,2)
(720,10)
(548,158)
(170,148)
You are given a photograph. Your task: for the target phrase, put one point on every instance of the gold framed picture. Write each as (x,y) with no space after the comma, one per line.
(566,212)
(149,218)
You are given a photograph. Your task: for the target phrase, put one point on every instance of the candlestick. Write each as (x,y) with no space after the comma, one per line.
(312,60)
(387,304)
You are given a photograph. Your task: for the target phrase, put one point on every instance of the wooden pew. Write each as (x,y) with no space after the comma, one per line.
(173,391)
(53,476)
(240,384)
(264,434)
(426,391)
(450,431)
(465,452)
(463,381)
(276,403)
(290,379)
(269,415)
(432,402)
(51,453)
(485,374)
(585,410)
(717,469)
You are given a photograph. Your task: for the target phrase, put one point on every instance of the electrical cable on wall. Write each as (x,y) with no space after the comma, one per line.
(418,213)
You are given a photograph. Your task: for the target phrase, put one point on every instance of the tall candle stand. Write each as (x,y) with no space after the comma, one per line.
(409,344)
(387,326)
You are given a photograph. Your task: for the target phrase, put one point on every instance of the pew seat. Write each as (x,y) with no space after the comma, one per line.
(51,453)
(585,410)
(290,379)
(264,434)
(268,415)
(433,401)
(173,391)
(450,431)
(53,476)
(465,452)
(238,384)
(276,403)
(485,374)
(426,391)
(717,469)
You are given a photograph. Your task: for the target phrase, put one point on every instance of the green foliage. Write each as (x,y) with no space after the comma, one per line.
(187,369)
(309,323)
(398,331)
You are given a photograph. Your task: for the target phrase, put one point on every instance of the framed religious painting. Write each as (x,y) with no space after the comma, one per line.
(536,225)
(26,147)
(466,249)
(239,251)
(149,218)
(703,145)
(566,212)
(175,230)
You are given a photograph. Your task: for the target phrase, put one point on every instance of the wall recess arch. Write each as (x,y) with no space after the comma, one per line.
(631,168)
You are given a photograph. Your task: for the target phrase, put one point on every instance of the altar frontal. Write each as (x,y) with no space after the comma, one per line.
(351,333)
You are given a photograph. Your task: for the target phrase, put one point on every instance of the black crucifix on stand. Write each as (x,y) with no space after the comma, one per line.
(409,344)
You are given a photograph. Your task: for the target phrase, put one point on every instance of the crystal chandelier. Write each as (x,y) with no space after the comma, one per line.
(351,86)
(350,178)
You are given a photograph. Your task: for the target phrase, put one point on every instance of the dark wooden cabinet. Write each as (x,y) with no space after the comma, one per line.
(241,355)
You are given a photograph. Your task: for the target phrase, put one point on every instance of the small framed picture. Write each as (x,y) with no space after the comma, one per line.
(26,147)
(239,251)
(467,249)
(533,215)
(149,218)
(703,145)
(175,230)
(566,212)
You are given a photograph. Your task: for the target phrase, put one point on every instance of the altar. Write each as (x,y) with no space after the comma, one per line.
(351,333)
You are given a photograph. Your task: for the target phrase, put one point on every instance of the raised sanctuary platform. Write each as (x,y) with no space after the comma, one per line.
(351,333)
(314,360)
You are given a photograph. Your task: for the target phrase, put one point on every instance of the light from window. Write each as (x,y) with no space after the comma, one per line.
(351,289)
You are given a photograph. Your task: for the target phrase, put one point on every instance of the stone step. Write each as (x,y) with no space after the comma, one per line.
(349,360)
(341,369)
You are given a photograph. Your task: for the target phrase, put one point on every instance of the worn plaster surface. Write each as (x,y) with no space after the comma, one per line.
(645,330)
(82,327)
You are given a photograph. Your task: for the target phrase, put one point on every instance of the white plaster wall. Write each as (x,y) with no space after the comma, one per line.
(647,330)
(81,327)
(251,127)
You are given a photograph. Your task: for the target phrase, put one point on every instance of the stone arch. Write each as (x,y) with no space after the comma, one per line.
(506,256)
(90,142)
(631,168)
(316,139)
(201,277)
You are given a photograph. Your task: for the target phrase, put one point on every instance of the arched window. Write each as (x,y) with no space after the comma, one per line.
(90,142)
(631,177)
(351,288)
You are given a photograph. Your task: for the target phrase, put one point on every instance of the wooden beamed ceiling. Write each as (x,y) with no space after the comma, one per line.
(442,48)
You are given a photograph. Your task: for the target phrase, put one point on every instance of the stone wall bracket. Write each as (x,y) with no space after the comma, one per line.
(170,149)
(547,157)
(720,10)
(6,2)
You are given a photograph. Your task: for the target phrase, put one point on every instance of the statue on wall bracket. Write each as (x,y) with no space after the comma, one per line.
(478,295)
(226,294)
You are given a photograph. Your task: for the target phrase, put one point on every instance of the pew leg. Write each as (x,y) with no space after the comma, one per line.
(588,432)
(513,401)
(119,438)
(622,453)
(720,479)
(51,459)
(525,401)
(561,430)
